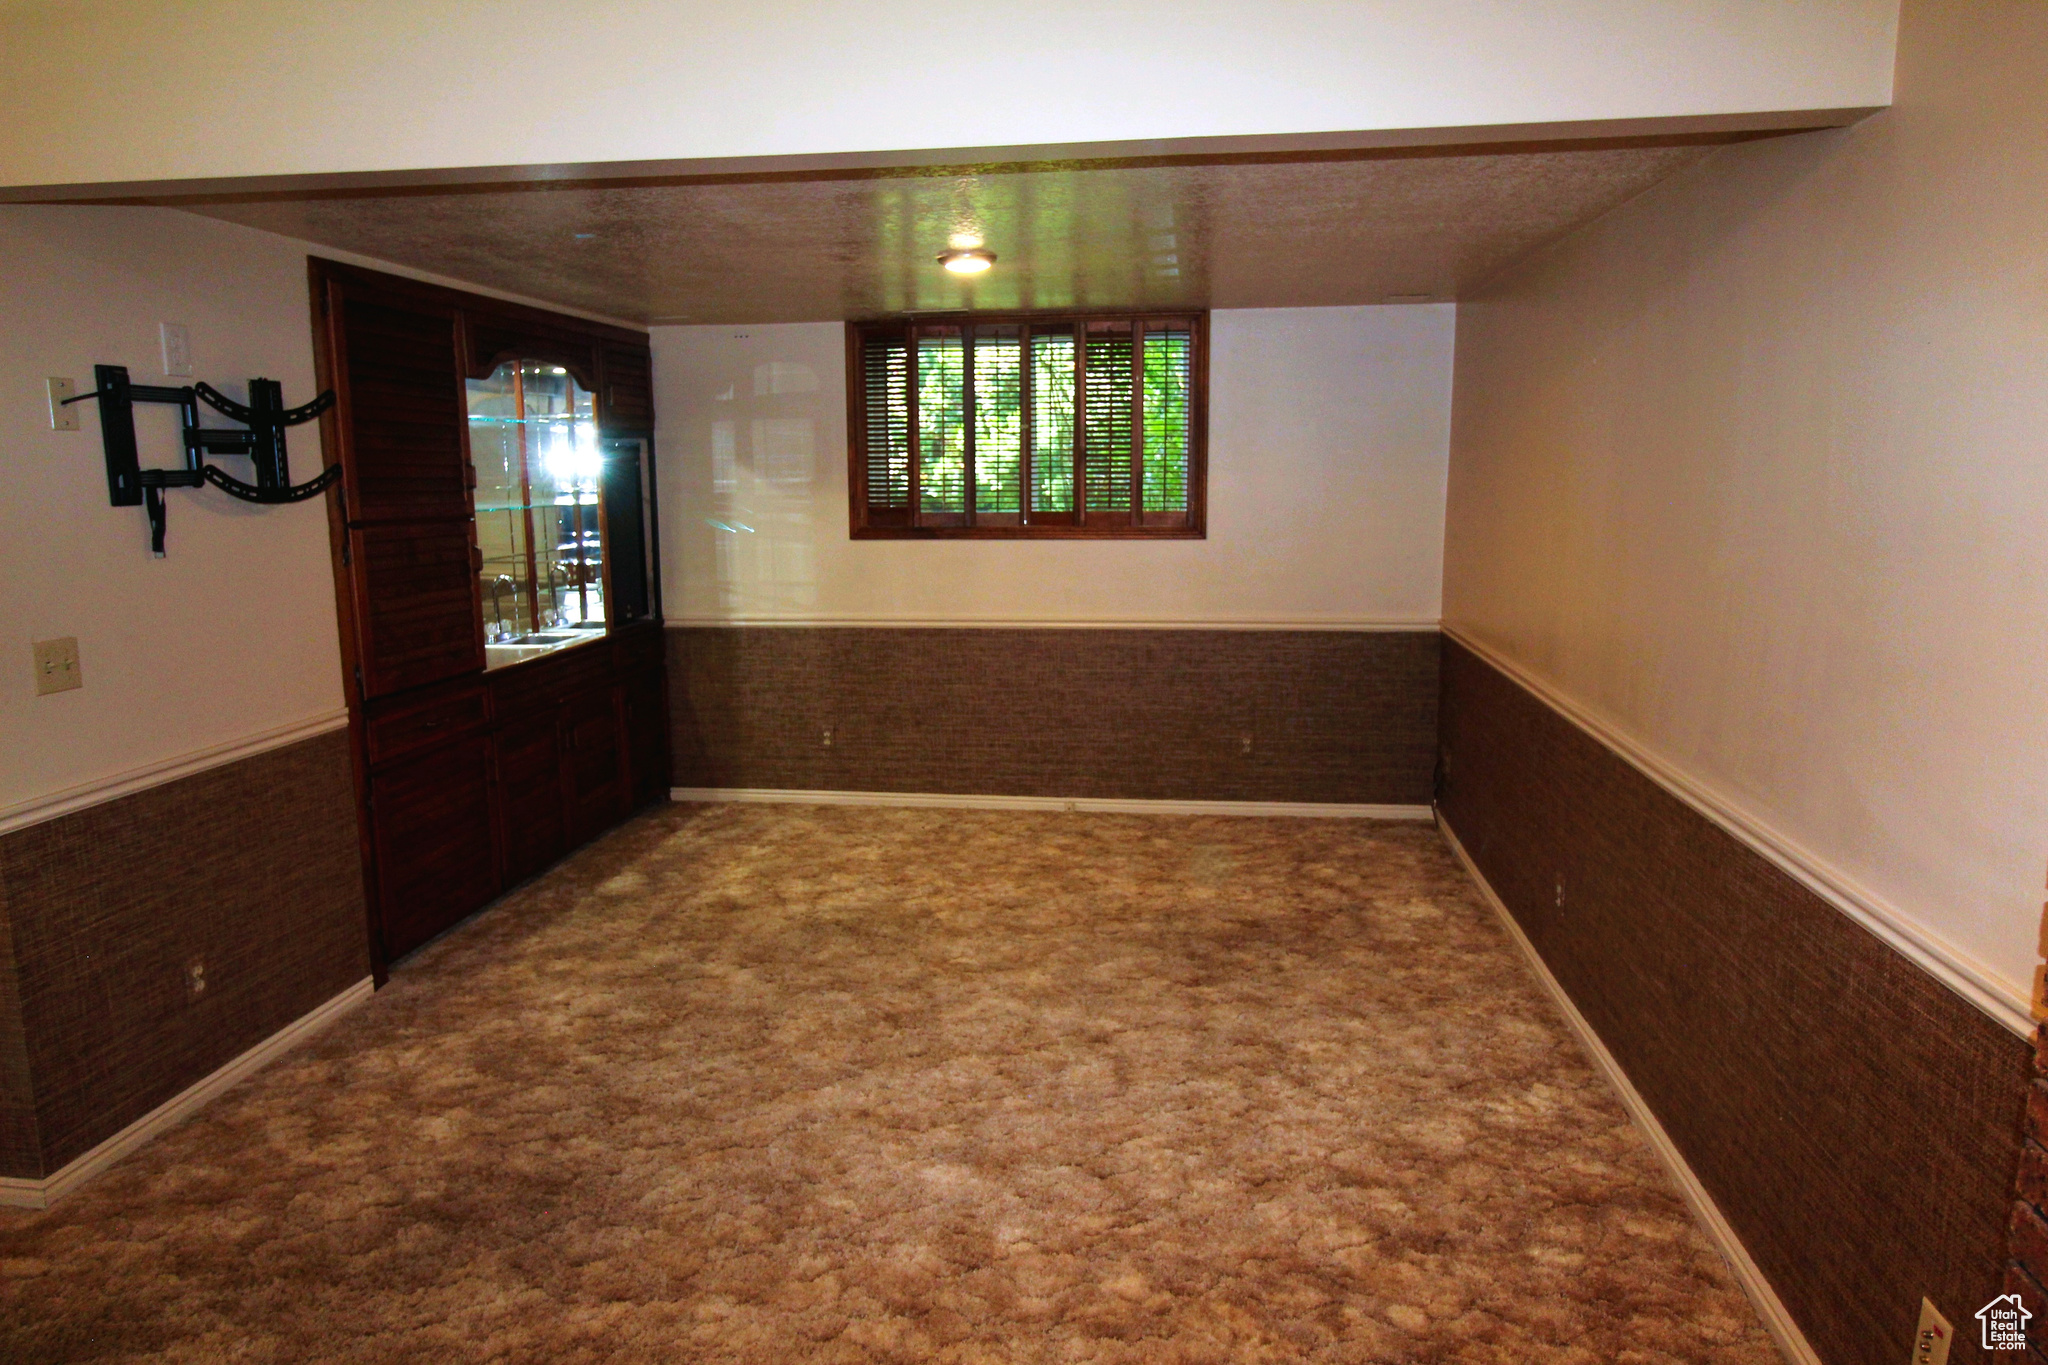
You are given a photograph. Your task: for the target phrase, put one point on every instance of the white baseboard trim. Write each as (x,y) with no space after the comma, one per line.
(37,809)
(2006,1001)
(1353,623)
(1776,1318)
(1312,809)
(40,1194)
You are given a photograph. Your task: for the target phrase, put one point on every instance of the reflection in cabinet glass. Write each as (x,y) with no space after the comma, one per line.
(539,509)
(629,527)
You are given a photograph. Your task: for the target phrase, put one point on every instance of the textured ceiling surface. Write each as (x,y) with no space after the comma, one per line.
(1260,235)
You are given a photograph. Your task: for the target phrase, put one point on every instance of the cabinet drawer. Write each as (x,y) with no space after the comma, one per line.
(415,727)
(541,684)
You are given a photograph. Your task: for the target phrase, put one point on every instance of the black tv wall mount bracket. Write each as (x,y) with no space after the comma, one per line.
(261,438)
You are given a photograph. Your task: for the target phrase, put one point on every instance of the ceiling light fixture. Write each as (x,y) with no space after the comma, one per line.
(970,262)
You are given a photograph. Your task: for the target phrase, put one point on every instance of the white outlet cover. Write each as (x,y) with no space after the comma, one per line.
(177,347)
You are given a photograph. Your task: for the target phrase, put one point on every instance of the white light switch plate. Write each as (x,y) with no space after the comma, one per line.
(177,344)
(57,665)
(61,417)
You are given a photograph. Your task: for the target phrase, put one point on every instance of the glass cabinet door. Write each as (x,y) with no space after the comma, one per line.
(564,514)
(540,517)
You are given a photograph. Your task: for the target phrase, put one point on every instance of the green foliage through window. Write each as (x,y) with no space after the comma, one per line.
(1063,425)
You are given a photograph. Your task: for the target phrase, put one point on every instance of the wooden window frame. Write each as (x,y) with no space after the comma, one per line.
(914,523)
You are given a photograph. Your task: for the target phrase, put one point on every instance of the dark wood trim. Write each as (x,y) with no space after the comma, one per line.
(1138,423)
(558,324)
(968,491)
(577,360)
(914,464)
(856,429)
(1080,432)
(329,372)
(1025,433)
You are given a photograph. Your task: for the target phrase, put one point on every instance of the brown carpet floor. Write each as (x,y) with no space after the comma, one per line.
(826,1084)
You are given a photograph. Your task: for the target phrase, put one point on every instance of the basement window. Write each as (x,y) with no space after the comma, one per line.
(1018,426)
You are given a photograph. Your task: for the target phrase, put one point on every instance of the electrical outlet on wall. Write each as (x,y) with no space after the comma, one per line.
(826,740)
(57,665)
(1932,1337)
(195,978)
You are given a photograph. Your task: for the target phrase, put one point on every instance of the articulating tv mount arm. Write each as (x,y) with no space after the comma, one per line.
(264,416)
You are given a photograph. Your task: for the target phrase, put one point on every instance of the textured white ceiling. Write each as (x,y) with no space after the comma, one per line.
(1276,233)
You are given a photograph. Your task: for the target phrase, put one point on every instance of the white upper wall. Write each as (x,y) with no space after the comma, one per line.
(1753,470)
(122,90)
(232,635)
(1329,436)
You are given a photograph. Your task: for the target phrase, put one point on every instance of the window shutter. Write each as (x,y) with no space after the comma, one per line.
(1023,425)
(998,424)
(1107,417)
(885,378)
(1168,384)
(1052,421)
(941,421)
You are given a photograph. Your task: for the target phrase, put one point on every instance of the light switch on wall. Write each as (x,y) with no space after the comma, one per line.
(61,417)
(57,666)
(177,344)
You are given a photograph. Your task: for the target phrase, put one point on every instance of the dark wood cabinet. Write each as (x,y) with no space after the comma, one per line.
(472,779)
(415,604)
(532,815)
(644,694)
(432,841)
(628,388)
(593,763)
(396,370)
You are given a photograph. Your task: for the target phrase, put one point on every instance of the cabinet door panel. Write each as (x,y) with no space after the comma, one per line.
(530,796)
(593,766)
(416,606)
(405,455)
(628,395)
(430,821)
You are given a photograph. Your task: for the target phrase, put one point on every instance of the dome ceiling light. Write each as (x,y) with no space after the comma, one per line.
(968,260)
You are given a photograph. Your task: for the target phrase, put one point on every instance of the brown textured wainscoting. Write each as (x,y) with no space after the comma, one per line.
(1855,1120)
(19,1151)
(1187,715)
(249,870)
